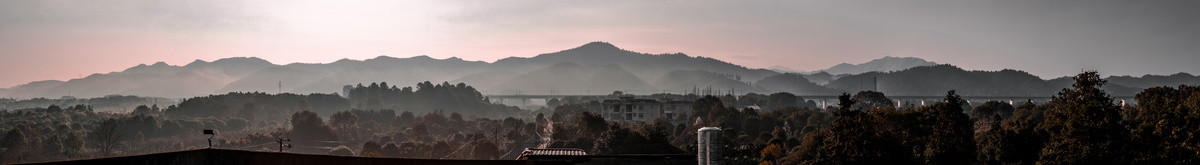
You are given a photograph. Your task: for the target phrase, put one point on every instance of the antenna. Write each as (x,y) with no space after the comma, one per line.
(280,88)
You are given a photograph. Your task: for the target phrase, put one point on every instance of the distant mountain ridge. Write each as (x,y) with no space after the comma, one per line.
(936,80)
(885,64)
(593,68)
(601,67)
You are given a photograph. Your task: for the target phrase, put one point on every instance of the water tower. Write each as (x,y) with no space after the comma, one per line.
(708,143)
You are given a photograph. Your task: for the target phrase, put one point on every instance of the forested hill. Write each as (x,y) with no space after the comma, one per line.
(932,80)
(425,98)
(591,68)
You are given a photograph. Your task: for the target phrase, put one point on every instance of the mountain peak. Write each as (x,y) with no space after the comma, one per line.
(242,60)
(885,64)
(597,46)
(781,69)
(197,62)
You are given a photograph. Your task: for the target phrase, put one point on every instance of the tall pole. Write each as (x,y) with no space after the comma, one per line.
(281,145)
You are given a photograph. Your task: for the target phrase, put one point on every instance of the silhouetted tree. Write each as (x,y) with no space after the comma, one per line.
(1083,125)
(1164,127)
(16,145)
(485,149)
(307,125)
(782,99)
(988,109)
(108,137)
(951,138)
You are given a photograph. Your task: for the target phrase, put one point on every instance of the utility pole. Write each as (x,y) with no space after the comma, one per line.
(281,145)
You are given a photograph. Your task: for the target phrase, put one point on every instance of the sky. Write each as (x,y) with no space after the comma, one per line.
(66,39)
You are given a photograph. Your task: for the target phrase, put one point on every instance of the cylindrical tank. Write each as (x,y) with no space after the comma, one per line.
(708,143)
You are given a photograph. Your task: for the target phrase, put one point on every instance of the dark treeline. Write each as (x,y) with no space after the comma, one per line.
(751,136)
(427,97)
(106,103)
(231,104)
(1081,125)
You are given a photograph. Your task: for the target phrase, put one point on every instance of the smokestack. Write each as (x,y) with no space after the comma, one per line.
(708,143)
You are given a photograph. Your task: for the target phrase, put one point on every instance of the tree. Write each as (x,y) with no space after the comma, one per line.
(72,143)
(1164,126)
(992,108)
(622,140)
(705,105)
(52,145)
(485,149)
(369,148)
(53,109)
(16,144)
(1021,139)
(851,139)
(540,118)
(141,110)
(782,99)
(1084,125)
(991,144)
(456,118)
(108,137)
(591,124)
(406,117)
(345,124)
(307,125)
(951,138)
(871,99)
(771,154)
(343,118)
(249,111)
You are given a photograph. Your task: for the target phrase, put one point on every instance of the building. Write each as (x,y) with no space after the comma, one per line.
(579,157)
(708,146)
(629,109)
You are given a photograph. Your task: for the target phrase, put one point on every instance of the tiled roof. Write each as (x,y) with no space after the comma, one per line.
(552,151)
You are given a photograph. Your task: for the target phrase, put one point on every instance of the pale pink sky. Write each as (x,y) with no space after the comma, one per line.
(60,40)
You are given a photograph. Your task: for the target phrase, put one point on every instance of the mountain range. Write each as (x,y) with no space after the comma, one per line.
(593,68)
(885,64)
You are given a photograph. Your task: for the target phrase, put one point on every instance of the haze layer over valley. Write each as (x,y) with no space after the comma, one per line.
(591,69)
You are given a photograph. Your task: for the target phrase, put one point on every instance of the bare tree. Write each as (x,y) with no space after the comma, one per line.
(107,137)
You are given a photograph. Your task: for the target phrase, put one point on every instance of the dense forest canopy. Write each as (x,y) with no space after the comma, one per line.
(1080,125)
(428,97)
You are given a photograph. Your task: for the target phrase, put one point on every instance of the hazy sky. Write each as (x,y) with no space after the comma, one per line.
(41,40)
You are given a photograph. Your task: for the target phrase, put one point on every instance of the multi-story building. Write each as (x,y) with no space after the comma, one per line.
(629,109)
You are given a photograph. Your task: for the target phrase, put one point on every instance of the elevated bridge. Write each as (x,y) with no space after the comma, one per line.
(828,100)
